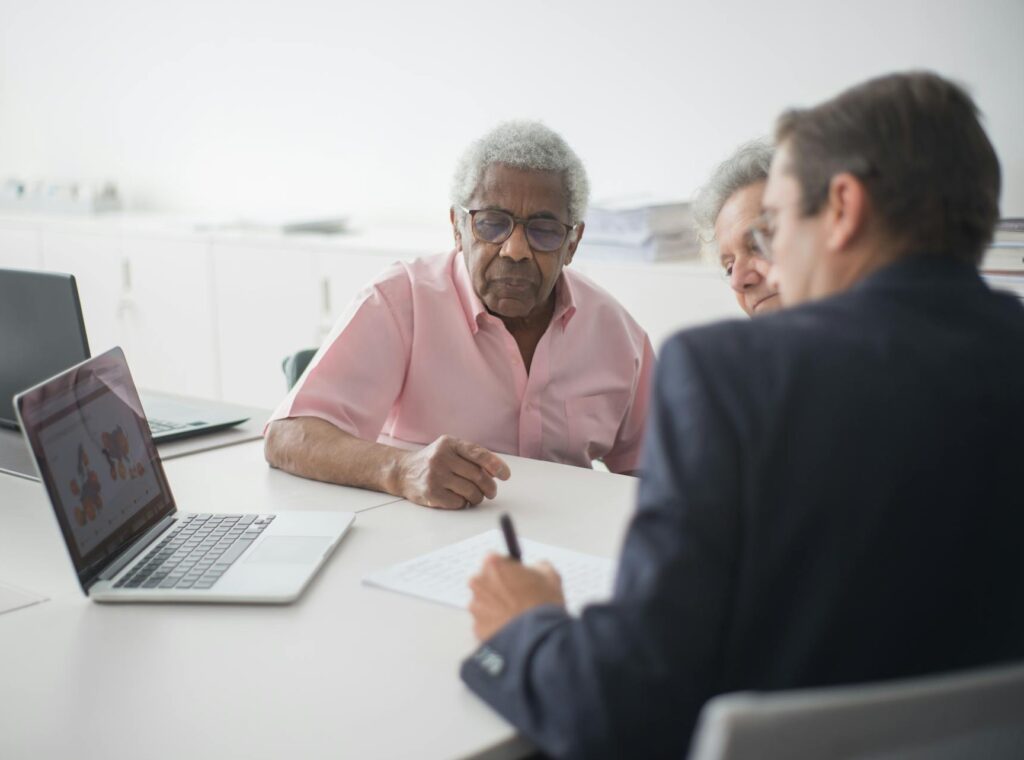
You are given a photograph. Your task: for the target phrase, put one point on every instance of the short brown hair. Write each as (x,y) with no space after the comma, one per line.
(916,143)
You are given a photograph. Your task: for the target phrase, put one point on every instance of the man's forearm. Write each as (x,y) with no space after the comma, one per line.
(316,449)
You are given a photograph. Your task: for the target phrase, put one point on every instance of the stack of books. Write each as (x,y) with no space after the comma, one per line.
(1006,253)
(632,231)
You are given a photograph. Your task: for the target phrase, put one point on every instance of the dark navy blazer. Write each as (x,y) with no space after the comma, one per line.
(830,494)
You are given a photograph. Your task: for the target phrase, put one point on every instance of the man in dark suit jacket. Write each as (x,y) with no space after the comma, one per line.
(831,494)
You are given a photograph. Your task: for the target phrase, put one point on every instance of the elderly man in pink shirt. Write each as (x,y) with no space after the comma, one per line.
(443,362)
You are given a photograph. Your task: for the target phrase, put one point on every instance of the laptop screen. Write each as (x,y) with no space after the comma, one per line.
(41,332)
(96,458)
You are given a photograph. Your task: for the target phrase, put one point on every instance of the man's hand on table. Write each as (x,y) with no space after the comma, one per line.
(505,589)
(450,474)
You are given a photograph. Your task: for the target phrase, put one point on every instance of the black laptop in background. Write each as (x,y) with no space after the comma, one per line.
(42,333)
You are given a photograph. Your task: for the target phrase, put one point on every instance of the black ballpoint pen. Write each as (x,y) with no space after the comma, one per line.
(510,538)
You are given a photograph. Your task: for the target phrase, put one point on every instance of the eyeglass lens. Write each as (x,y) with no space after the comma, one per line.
(762,242)
(496,226)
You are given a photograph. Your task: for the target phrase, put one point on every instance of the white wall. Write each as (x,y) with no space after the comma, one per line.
(296,107)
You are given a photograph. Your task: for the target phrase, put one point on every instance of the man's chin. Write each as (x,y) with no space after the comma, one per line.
(509,308)
(767,304)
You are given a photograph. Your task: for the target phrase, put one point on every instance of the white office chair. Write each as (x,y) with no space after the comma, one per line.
(970,715)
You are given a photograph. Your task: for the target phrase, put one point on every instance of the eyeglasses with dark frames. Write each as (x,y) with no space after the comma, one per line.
(544,235)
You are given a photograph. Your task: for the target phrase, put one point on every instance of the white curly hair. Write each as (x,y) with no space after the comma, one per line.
(749,164)
(523,145)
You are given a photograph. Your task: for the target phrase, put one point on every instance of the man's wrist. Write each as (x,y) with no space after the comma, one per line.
(393,471)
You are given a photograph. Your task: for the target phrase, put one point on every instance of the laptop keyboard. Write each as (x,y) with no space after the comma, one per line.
(164,426)
(197,552)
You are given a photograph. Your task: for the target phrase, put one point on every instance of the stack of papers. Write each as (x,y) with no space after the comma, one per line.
(1006,253)
(635,231)
(443,575)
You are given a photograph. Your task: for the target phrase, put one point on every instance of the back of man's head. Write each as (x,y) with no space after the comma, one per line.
(916,143)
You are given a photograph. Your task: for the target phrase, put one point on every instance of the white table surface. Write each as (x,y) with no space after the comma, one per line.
(237,478)
(347,671)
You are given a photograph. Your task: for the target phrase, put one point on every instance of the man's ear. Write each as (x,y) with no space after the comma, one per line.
(455,229)
(847,209)
(575,236)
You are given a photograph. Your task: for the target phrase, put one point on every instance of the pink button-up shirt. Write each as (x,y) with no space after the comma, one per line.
(416,356)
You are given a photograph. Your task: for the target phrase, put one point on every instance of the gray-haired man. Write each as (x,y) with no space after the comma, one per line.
(493,347)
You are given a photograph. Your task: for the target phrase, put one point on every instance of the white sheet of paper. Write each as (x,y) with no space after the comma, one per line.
(14,598)
(443,575)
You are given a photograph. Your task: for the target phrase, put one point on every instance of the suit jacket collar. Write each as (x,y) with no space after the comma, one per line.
(920,270)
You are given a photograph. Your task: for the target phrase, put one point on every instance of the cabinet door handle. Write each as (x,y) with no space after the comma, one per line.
(325,296)
(126,276)
(126,303)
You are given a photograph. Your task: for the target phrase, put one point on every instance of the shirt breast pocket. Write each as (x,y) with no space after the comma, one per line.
(593,422)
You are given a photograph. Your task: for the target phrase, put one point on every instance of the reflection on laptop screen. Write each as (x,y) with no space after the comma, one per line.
(101,473)
(96,457)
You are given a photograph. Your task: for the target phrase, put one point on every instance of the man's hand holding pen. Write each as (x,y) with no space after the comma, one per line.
(505,588)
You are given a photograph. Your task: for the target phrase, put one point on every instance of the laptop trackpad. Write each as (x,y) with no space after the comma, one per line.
(290,549)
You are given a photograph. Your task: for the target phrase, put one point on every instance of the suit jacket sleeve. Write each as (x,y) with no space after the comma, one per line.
(628,678)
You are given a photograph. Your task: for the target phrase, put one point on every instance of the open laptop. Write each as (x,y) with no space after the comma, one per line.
(127,540)
(42,333)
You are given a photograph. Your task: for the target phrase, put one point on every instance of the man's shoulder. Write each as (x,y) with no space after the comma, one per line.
(862,323)
(749,348)
(399,279)
(431,267)
(729,335)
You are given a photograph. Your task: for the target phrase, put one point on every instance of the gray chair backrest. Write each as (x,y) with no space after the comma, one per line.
(293,366)
(974,714)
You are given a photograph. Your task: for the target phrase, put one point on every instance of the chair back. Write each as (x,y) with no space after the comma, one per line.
(974,714)
(293,366)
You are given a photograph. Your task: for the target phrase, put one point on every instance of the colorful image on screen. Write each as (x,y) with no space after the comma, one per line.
(98,460)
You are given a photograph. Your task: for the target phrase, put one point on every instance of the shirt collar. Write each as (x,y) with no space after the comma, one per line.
(565,303)
(473,307)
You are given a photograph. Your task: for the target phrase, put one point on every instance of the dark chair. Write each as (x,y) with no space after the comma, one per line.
(293,366)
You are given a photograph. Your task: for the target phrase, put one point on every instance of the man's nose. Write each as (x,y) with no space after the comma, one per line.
(516,246)
(745,274)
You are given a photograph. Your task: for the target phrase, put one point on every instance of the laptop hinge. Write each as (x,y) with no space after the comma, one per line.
(135,549)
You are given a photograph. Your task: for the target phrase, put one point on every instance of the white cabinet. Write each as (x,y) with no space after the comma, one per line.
(167,316)
(153,296)
(19,248)
(96,262)
(269,305)
(665,297)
